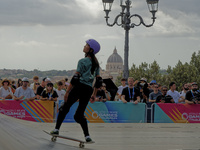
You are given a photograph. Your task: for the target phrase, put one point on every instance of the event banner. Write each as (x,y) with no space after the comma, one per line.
(37,111)
(110,112)
(176,113)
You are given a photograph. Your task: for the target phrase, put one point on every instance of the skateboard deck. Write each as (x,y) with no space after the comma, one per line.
(55,136)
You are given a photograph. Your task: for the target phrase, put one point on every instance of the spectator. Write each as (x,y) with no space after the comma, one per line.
(19,83)
(152,86)
(107,94)
(164,98)
(5,90)
(13,84)
(173,93)
(159,87)
(193,96)
(24,92)
(41,87)
(183,93)
(143,88)
(60,91)
(99,95)
(153,95)
(102,94)
(47,80)
(10,85)
(35,80)
(121,87)
(189,86)
(64,86)
(130,93)
(35,87)
(49,93)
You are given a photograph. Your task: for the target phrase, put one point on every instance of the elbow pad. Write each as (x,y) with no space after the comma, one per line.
(75,79)
(98,82)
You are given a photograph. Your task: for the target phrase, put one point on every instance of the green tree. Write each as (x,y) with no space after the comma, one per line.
(149,71)
(195,60)
(181,73)
(154,71)
(139,72)
(118,80)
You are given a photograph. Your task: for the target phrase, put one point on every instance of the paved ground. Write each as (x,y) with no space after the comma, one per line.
(23,135)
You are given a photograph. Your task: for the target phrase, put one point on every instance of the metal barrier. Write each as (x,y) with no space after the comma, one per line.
(152,112)
(108,112)
(111,112)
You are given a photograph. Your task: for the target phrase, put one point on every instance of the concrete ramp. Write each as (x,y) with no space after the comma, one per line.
(23,135)
(18,134)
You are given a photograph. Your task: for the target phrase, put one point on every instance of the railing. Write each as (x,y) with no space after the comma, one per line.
(108,112)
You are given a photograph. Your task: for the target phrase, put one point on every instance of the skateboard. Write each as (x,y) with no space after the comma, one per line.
(55,136)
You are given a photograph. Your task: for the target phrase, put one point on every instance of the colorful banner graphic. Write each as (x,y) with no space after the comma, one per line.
(38,111)
(110,112)
(177,113)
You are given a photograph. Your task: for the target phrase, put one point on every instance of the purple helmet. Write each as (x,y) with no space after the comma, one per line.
(94,45)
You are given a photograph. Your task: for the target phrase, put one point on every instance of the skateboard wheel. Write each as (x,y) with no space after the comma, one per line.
(81,145)
(53,139)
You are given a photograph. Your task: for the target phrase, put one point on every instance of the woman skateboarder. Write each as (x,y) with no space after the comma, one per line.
(81,88)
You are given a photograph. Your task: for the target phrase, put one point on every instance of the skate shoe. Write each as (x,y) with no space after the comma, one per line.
(89,140)
(54,132)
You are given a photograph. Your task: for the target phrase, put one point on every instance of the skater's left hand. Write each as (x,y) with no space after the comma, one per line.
(92,99)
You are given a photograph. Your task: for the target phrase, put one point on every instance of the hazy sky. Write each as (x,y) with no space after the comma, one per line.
(50,34)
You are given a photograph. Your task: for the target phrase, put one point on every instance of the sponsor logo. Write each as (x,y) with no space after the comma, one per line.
(191,116)
(19,113)
(105,115)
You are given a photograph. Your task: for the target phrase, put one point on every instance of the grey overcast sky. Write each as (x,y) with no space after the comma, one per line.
(50,34)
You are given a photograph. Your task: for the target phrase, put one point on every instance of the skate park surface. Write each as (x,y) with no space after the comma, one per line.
(16,134)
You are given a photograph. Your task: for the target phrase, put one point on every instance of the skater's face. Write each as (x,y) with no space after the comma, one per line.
(86,48)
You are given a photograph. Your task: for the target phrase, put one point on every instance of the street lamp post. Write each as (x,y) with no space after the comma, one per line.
(124,20)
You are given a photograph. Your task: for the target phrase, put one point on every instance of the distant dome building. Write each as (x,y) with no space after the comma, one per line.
(114,62)
(114,66)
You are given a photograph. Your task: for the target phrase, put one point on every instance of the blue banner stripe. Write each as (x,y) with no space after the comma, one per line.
(29,113)
(33,112)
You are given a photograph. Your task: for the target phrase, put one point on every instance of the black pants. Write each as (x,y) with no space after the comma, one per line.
(83,93)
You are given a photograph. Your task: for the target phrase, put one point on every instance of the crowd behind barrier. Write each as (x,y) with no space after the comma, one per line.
(138,92)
